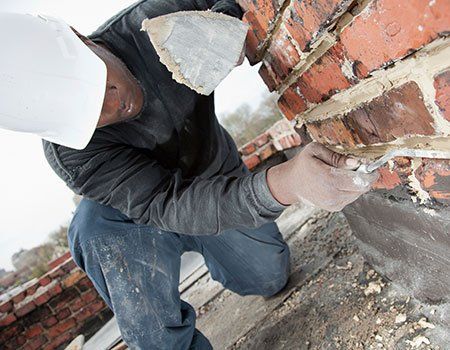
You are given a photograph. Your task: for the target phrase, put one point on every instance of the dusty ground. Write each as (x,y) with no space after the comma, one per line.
(333,301)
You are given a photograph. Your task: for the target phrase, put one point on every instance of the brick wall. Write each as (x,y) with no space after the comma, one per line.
(279,137)
(47,313)
(363,76)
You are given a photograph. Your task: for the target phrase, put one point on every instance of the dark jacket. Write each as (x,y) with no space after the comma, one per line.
(174,166)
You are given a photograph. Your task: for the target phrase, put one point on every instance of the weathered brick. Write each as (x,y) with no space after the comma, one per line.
(248,149)
(251,161)
(59,260)
(333,131)
(255,36)
(84,284)
(6,306)
(291,103)
(58,341)
(36,316)
(325,77)
(69,265)
(45,280)
(306,20)
(33,288)
(19,297)
(62,314)
(261,140)
(16,342)
(397,113)
(287,142)
(24,307)
(36,343)
(442,86)
(434,176)
(33,331)
(61,327)
(48,322)
(78,303)
(282,56)
(389,30)
(73,278)
(63,299)
(267,151)
(7,319)
(267,77)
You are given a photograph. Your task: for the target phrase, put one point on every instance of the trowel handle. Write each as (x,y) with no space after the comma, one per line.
(363,168)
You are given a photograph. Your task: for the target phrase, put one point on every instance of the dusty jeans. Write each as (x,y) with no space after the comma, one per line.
(136,268)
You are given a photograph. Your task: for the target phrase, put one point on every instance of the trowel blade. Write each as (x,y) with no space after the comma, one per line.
(199,48)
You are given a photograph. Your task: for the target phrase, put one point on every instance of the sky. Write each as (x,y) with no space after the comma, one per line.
(34,202)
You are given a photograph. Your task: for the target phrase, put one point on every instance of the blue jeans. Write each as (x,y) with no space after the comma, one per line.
(136,268)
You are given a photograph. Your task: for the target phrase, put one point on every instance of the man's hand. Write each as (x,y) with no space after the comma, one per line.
(319,176)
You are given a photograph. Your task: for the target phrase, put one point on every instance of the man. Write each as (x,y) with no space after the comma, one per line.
(160,176)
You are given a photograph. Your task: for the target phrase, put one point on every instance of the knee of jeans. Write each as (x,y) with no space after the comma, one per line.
(91,219)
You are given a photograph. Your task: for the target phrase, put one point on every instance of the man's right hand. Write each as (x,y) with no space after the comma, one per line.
(319,176)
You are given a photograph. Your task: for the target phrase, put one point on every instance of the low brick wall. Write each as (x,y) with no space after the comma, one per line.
(47,313)
(279,137)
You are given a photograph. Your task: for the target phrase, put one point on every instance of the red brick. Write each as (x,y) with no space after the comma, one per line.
(291,103)
(48,322)
(64,313)
(261,140)
(389,30)
(388,179)
(434,176)
(282,56)
(16,342)
(442,86)
(45,280)
(324,78)
(9,332)
(7,319)
(6,306)
(42,298)
(33,331)
(69,265)
(84,284)
(96,306)
(56,272)
(267,151)
(305,20)
(33,288)
(73,278)
(61,327)
(19,297)
(268,78)
(58,261)
(85,299)
(251,161)
(36,343)
(255,36)
(399,112)
(59,340)
(55,289)
(288,141)
(333,132)
(248,149)
(24,307)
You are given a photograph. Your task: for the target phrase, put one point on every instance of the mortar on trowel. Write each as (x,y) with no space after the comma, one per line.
(199,48)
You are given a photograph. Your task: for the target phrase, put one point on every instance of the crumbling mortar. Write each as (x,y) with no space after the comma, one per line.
(323,40)
(426,63)
(271,30)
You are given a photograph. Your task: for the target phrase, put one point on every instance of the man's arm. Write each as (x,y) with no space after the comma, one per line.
(150,194)
(228,7)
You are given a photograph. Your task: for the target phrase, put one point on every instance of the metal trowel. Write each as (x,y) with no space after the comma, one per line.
(199,48)
(403,152)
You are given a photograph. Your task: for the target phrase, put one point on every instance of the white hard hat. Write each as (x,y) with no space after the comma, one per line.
(51,83)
